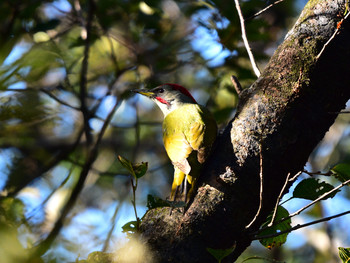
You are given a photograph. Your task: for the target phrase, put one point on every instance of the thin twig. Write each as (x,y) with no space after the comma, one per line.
(137,132)
(280,196)
(245,40)
(318,199)
(295,176)
(317,173)
(313,202)
(303,225)
(45,244)
(264,10)
(58,99)
(113,220)
(65,180)
(83,75)
(51,95)
(305,207)
(331,38)
(261,188)
(236,84)
(42,248)
(278,201)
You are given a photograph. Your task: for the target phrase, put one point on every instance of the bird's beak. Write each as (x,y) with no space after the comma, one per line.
(144,92)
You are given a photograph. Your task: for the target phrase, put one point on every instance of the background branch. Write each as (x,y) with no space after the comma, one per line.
(245,40)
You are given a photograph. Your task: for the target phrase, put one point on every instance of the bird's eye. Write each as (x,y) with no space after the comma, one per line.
(160,90)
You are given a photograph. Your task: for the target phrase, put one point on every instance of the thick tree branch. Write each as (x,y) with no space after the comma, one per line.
(287,111)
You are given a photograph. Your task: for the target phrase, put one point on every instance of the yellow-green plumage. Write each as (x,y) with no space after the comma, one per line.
(189,130)
(188,134)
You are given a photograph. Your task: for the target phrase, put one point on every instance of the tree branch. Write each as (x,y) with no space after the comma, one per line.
(83,75)
(265,9)
(245,40)
(43,246)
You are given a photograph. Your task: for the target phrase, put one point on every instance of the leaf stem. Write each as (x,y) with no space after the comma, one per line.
(133,201)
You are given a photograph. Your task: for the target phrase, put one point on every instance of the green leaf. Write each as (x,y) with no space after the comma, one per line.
(140,169)
(12,209)
(220,254)
(154,202)
(312,188)
(137,170)
(130,227)
(344,254)
(127,164)
(341,171)
(285,225)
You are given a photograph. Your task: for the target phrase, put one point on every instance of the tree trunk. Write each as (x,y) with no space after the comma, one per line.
(279,121)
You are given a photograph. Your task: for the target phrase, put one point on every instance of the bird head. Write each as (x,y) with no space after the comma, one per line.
(168,97)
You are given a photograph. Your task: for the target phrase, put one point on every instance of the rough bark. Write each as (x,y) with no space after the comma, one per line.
(280,119)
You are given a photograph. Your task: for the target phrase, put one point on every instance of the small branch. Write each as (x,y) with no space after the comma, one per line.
(278,201)
(48,93)
(312,203)
(303,225)
(265,9)
(113,220)
(329,173)
(305,207)
(83,75)
(44,245)
(245,40)
(133,201)
(261,188)
(318,199)
(137,133)
(92,154)
(332,37)
(34,211)
(295,176)
(280,196)
(236,84)
(58,99)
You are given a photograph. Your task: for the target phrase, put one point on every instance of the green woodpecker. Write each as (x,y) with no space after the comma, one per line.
(189,130)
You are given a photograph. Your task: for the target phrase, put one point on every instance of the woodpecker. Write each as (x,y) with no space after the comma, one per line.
(189,131)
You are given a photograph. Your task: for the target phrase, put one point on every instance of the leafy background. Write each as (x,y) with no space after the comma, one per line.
(46,132)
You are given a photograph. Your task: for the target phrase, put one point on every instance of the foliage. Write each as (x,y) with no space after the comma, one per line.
(220,254)
(342,171)
(312,188)
(154,202)
(279,228)
(137,171)
(344,254)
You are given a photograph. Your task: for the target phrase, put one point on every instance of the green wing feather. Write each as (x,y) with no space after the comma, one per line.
(188,134)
